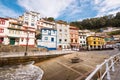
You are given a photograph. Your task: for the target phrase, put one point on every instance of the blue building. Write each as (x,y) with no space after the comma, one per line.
(48,38)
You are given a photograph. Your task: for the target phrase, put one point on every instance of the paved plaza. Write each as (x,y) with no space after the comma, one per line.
(61,68)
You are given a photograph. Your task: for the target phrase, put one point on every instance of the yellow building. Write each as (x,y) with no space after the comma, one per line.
(95,42)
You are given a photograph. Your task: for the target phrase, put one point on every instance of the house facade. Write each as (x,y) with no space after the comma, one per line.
(4,31)
(48,39)
(95,42)
(83,34)
(29,26)
(74,37)
(63,37)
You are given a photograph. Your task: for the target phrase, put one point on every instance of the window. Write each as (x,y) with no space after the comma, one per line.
(33,16)
(90,46)
(72,35)
(46,38)
(2,22)
(1,40)
(60,30)
(26,18)
(26,22)
(1,30)
(41,23)
(83,37)
(65,35)
(54,32)
(60,40)
(94,42)
(98,42)
(32,24)
(22,39)
(60,34)
(76,41)
(32,20)
(45,31)
(52,39)
(71,40)
(65,30)
(65,40)
(80,41)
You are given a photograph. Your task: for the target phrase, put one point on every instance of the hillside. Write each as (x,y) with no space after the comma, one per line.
(99,22)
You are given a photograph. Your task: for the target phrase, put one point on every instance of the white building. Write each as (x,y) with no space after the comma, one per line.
(63,36)
(3,31)
(48,39)
(18,35)
(30,19)
(83,34)
(43,23)
(30,26)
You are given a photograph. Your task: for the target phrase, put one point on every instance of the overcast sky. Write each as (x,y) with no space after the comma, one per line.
(68,10)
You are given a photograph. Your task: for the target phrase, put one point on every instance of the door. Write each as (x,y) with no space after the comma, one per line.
(12,41)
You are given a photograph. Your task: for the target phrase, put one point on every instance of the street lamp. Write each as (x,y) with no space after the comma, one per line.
(26,44)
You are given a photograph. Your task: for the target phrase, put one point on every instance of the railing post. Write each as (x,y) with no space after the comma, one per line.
(112,63)
(98,73)
(107,70)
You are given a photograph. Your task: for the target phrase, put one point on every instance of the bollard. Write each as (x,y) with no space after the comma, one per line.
(107,70)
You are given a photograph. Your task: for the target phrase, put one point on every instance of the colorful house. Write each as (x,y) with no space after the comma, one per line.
(74,37)
(14,31)
(83,34)
(48,39)
(95,42)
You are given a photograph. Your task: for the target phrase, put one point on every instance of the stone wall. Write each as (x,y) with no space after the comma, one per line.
(4,61)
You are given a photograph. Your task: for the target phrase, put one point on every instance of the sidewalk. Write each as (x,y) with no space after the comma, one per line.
(36,53)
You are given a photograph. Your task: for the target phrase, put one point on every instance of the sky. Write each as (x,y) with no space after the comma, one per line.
(68,10)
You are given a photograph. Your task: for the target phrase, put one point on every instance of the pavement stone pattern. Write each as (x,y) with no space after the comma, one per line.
(61,68)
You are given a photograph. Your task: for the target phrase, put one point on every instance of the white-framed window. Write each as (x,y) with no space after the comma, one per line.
(46,38)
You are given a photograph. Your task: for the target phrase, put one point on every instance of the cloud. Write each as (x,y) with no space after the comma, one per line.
(7,12)
(76,10)
(106,7)
(47,8)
